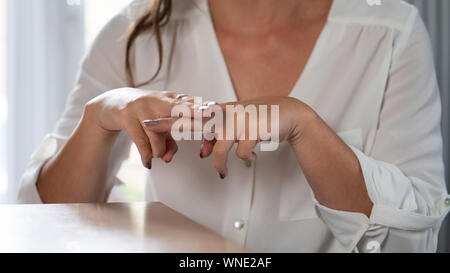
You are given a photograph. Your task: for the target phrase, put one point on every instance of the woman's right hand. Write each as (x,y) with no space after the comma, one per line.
(125,109)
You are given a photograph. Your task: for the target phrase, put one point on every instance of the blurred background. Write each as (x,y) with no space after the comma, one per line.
(41,45)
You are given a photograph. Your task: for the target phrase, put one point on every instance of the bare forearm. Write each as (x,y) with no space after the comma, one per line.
(332,169)
(77,174)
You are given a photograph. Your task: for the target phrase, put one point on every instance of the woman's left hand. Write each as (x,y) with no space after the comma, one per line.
(328,163)
(293,118)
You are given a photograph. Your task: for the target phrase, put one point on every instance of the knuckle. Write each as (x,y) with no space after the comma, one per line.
(159,153)
(125,112)
(137,103)
(93,107)
(139,107)
(141,143)
(220,152)
(242,154)
(169,94)
(128,109)
(90,105)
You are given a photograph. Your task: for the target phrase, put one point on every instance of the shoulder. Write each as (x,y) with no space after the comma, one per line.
(111,38)
(135,9)
(395,14)
(108,49)
(181,9)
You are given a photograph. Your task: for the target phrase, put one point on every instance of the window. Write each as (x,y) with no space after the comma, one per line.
(3,103)
(97,13)
(43,61)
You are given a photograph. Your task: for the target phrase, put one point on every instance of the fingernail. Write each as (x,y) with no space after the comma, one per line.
(203,108)
(149,165)
(221,176)
(151,123)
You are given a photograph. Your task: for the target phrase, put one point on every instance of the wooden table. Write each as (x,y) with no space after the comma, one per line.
(109,228)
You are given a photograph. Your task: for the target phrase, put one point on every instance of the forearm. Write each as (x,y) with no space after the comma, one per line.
(77,173)
(331,168)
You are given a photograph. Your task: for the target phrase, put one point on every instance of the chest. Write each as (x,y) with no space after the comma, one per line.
(269,64)
(335,71)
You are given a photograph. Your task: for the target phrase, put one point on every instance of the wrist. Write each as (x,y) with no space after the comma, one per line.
(90,123)
(303,121)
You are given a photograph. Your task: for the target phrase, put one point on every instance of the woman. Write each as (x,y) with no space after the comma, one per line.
(359,167)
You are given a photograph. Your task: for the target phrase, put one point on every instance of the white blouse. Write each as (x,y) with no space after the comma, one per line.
(371,77)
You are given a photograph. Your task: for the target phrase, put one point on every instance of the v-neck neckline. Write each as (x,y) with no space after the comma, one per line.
(224,65)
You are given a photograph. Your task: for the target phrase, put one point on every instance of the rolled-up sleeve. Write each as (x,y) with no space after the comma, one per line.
(102,69)
(404,170)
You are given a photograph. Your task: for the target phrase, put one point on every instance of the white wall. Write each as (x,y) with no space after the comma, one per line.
(3,103)
(45,44)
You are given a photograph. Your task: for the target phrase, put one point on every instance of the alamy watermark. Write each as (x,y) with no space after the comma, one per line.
(236,122)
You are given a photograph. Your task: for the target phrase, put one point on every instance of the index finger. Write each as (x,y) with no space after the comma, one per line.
(184,117)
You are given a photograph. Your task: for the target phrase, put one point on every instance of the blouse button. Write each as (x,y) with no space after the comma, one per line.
(239,224)
(447,202)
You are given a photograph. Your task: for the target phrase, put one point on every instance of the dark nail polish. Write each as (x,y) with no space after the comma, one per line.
(221,176)
(201,149)
(149,166)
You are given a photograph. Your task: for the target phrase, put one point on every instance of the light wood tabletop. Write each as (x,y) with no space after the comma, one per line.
(137,227)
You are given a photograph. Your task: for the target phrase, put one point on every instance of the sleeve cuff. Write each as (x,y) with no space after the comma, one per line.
(347,227)
(385,184)
(28,193)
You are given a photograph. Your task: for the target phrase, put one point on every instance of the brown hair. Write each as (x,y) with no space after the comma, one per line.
(156,16)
